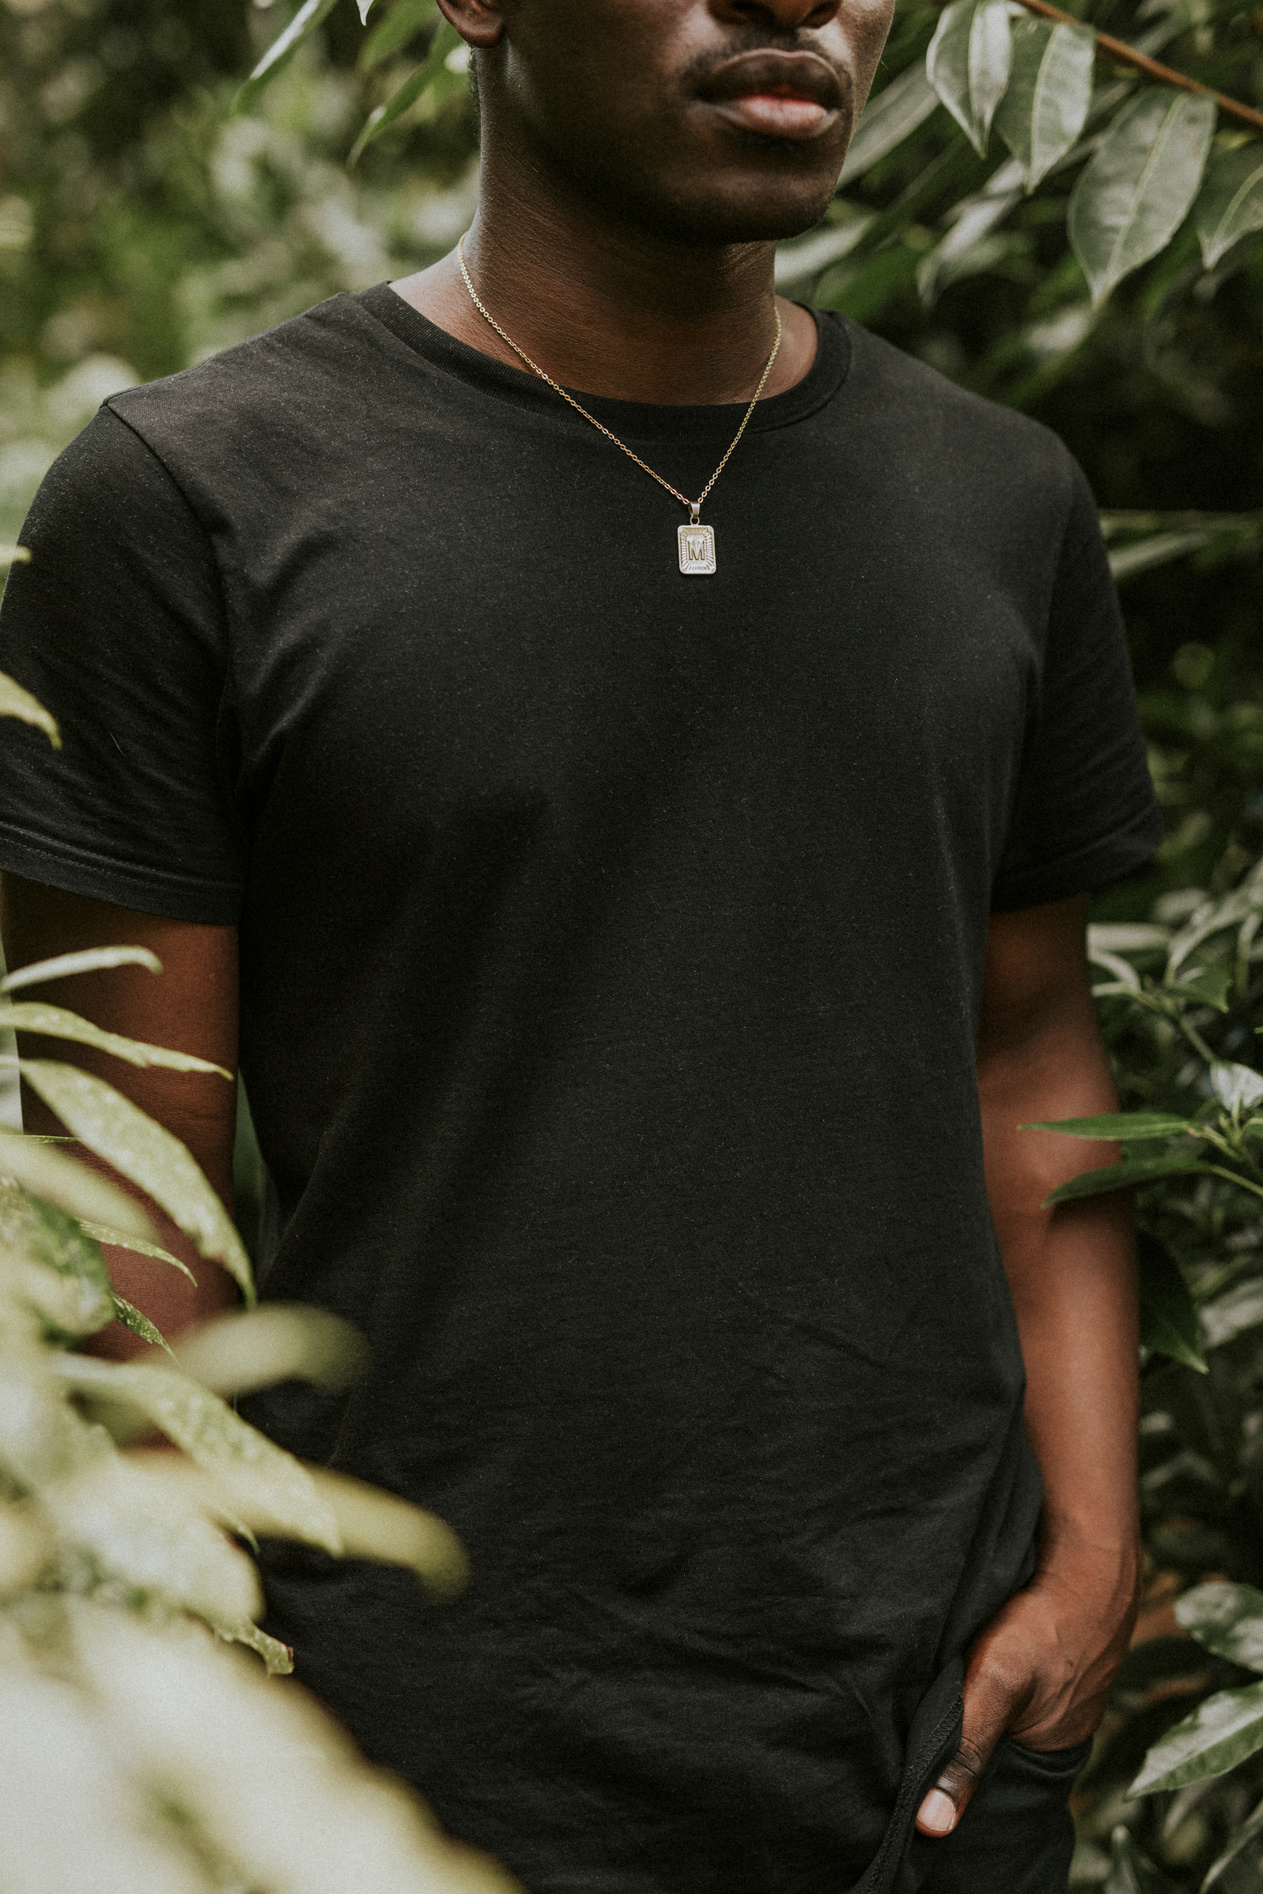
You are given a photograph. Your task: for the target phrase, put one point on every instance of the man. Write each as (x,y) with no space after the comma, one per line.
(648,946)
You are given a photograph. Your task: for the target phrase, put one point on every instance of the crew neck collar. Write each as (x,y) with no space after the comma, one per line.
(637,420)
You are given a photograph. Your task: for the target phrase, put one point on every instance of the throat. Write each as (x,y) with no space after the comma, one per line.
(616,332)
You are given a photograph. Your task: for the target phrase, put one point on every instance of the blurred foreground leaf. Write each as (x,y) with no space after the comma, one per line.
(213,1437)
(237,1353)
(87,960)
(44,1171)
(56,1023)
(16,702)
(144,1152)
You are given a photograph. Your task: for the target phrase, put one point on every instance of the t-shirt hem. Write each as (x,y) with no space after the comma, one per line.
(1087,869)
(172,897)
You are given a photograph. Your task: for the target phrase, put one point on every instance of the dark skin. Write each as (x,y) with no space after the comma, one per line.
(640,159)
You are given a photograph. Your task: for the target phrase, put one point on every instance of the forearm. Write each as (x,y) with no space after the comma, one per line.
(1072,1275)
(1042,1668)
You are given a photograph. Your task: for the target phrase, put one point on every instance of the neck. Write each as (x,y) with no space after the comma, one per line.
(610,310)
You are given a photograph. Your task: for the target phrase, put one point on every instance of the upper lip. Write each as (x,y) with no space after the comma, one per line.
(793,75)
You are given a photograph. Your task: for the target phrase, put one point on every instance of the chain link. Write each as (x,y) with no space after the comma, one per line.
(694,506)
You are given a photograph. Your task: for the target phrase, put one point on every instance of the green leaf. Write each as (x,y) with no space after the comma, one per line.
(88,960)
(1126,937)
(1169,1320)
(1234,1313)
(804,258)
(887,120)
(1230,202)
(968,242)
(282,50)
(15,702)
(1227,1619)
(1130,1871)
(1240,1839)
(1123,971)
(214,1437)
(1049,91)
(968,64)
(1159,550)
(1118,1126)
(1210,985)
(405,20)
(1221,1733)
(446,41)
(130,1316)
(145,1153)
(44,1171)
(1134,195)
(56,1023)
(102,1233)
(1237,1087)
(1138,1170)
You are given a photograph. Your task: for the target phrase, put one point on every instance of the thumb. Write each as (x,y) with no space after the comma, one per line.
(986,1717)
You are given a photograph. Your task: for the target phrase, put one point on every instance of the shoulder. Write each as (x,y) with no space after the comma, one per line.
(278,396)
(937,432)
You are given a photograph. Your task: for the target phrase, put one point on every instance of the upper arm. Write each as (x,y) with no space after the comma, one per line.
(1035,976)
(1040,1053)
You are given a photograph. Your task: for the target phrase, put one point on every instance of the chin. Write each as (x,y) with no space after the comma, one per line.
(763,210)
(762,217)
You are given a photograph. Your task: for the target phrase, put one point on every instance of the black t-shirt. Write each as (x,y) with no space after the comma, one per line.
(611,946)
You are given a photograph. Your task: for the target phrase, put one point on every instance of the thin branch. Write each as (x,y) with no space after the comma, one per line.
(1119,53)
(1242,1183)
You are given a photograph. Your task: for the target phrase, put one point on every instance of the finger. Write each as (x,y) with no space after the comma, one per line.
(986,1718)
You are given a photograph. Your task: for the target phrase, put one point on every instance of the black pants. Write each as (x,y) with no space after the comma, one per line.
(1016,1836)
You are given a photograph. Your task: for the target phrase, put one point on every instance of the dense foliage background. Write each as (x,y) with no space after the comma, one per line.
(144,225)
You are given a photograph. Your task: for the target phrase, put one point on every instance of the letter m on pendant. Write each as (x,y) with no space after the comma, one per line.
(697,549)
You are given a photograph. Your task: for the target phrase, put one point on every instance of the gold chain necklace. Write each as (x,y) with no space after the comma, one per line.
(696,542)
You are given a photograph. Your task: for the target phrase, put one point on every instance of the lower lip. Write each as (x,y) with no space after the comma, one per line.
(774,116)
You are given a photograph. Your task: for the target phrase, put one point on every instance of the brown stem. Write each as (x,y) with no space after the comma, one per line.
(1121,54)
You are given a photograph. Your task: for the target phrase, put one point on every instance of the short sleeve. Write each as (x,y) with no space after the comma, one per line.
(1085,810)
(117,626)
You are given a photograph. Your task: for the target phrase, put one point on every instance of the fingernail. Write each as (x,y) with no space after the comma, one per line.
(938,1813)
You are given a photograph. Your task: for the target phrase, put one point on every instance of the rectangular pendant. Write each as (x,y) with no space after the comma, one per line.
(697,549)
